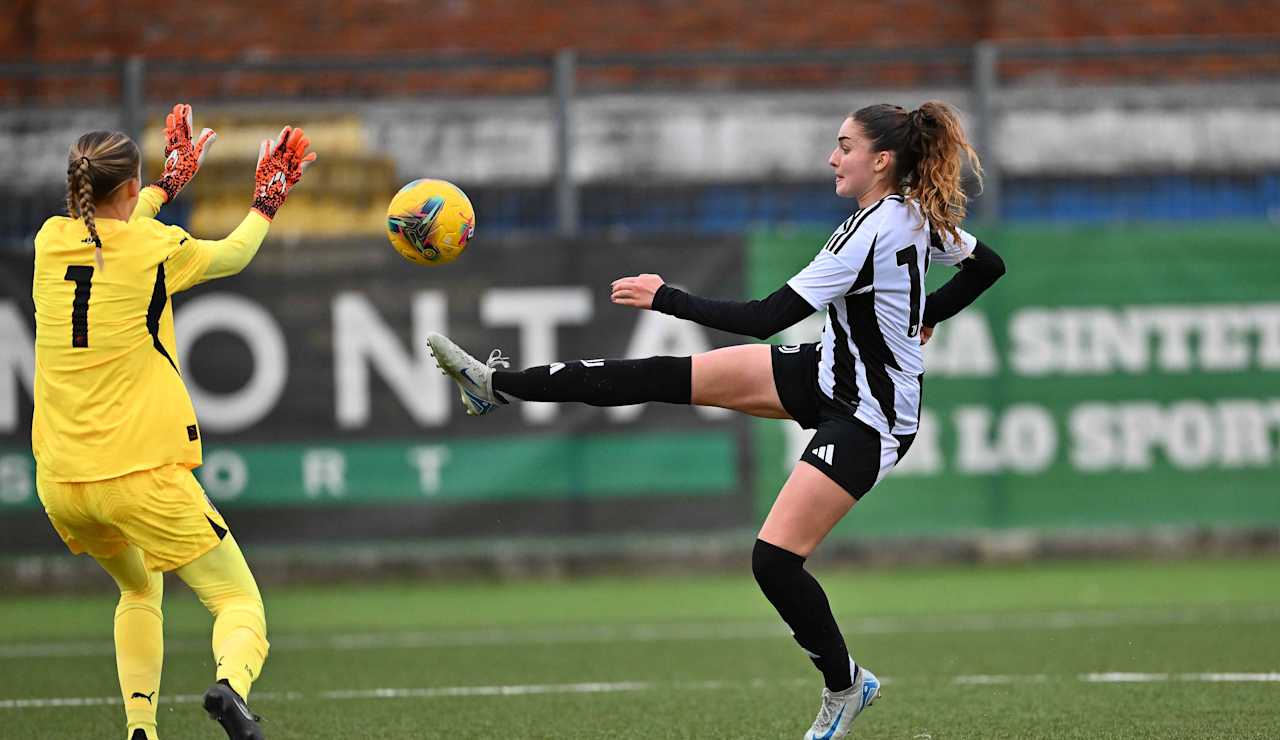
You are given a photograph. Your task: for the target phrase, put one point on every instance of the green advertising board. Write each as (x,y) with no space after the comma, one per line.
(1115,377)
(448,471)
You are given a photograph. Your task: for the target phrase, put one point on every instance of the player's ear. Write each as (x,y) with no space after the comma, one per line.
(884,160)
(133,187)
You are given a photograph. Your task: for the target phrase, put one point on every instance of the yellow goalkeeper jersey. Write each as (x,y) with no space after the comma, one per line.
(109,396)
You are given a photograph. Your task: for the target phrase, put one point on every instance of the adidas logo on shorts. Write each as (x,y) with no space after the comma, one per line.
(826,453)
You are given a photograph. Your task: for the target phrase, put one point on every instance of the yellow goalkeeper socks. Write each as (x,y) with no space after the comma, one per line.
(222,580)
(139,636)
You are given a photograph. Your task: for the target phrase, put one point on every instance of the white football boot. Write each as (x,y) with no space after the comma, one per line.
(839,709)
(474,378)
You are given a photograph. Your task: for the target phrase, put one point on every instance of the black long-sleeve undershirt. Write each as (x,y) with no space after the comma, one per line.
(784,307)
(979,271)
(760,318)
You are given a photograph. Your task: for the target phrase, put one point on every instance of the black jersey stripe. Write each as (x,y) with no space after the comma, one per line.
(873,351)
(159,297)
(861,220)
(867,273)
(840,230)
(843,368)
(919,397)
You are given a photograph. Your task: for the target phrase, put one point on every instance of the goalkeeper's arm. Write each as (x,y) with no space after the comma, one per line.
(149,202)
(230,255)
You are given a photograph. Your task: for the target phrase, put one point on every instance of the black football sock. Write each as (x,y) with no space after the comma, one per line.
(602,382)
(803,605)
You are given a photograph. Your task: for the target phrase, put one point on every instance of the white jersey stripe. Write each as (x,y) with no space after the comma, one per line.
(826,368)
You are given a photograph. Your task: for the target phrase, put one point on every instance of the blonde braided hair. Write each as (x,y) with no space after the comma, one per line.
(80,202)
(98,163)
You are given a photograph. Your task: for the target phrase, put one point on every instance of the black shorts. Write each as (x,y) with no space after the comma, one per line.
(846,449)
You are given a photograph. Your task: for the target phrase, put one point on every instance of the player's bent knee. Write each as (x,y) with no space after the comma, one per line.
(149,595)
(771,564)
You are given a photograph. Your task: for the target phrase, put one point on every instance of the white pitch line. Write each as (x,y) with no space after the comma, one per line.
(518,690)
(449,692)
(1116,677)
(998,680)
(98,701)
(1195,677)
(1231,677)
(692,631)
(431,692)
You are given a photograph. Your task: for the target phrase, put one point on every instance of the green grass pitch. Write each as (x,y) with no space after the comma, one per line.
(1081,650)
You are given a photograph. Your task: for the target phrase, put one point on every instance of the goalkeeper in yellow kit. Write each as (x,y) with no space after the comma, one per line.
(114,434)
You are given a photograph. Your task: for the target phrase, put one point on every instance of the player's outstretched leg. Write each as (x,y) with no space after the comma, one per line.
(474,378)
(222,581)
(593,382)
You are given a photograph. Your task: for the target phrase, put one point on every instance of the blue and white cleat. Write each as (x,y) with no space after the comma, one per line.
(474,378)
(839,709)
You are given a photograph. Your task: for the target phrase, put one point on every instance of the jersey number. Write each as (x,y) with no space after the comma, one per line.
(907,256)
(82,276)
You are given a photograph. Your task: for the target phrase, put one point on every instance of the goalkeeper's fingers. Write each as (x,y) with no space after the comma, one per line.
(207,137)
(171,129)
(301,158)
(286,134)
(270,147)
(306,162)
(298,143)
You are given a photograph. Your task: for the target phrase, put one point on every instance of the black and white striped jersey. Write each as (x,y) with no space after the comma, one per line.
(870,279)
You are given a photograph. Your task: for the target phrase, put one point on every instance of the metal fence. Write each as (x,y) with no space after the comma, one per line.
(988,69)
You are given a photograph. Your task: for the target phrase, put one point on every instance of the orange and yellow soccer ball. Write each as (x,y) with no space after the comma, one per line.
(430,222)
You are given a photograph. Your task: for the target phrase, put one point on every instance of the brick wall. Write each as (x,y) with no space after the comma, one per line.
(236,29)
(77,29)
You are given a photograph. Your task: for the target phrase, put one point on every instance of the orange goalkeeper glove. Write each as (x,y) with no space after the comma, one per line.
(182,157)
(280,167)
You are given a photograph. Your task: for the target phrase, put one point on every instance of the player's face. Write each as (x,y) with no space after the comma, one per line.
(857,167)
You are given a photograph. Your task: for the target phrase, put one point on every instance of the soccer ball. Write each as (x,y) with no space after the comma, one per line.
(430,222)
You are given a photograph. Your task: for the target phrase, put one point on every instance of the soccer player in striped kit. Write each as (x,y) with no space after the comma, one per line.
(114,433)
(859,387)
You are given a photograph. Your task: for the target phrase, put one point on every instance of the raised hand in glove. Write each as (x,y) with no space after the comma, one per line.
(280,167)
(182,157)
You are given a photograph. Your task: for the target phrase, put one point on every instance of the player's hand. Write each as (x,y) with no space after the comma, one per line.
(182,156)
(925,333)
(280,167)
(636,291)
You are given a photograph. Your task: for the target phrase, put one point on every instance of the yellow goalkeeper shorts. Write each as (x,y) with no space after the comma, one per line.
(163,512)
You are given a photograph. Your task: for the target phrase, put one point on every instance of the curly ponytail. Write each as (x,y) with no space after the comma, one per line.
(98,163)
(930,148)
(940,145)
